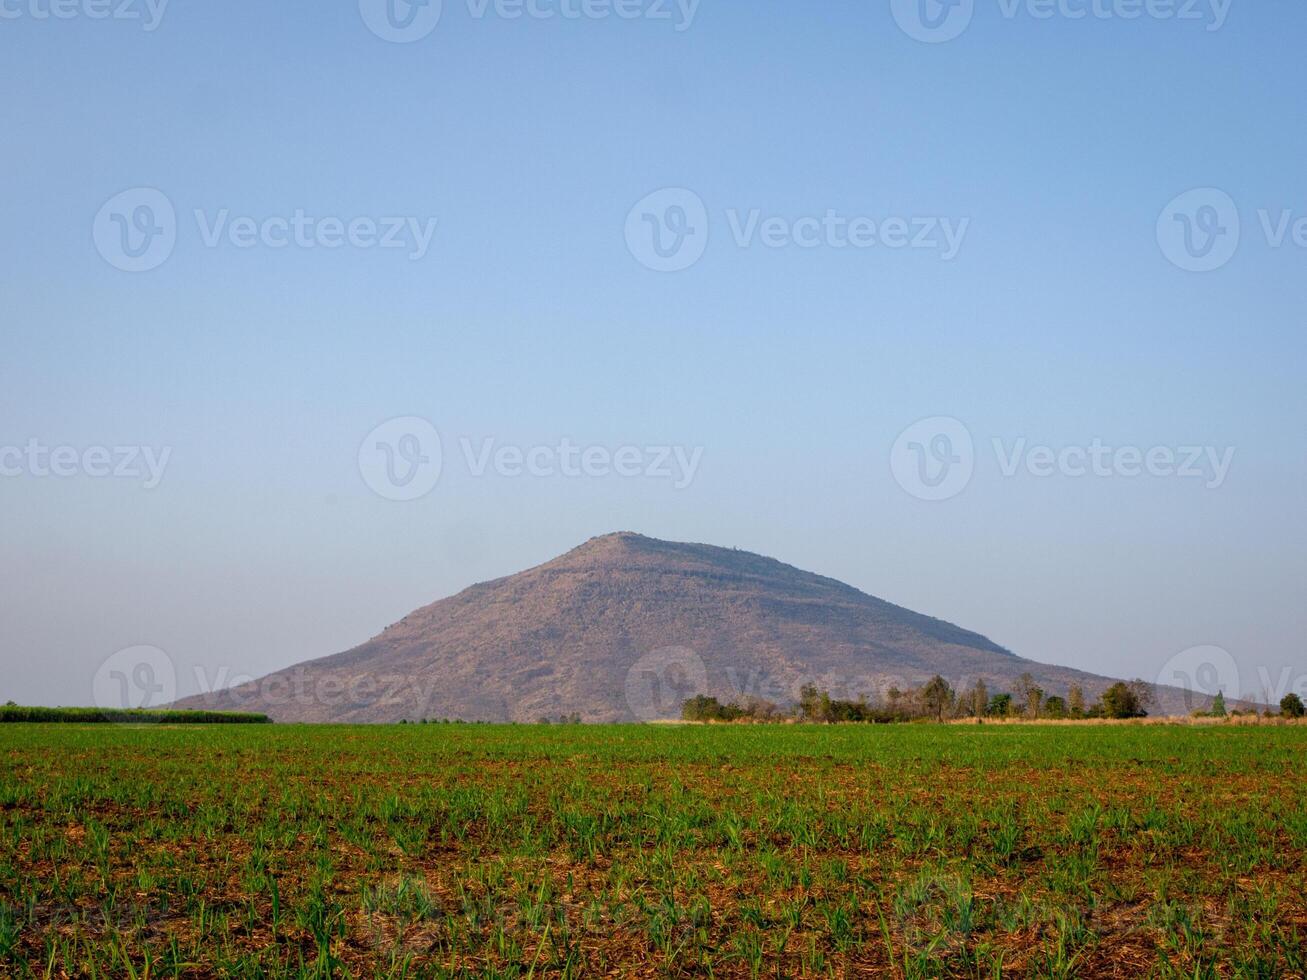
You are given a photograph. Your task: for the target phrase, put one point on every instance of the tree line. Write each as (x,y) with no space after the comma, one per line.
(935,700)
(136,716)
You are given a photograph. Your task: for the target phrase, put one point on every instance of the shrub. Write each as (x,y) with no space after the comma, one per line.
(1000,706)
(701,707)
(1121,700)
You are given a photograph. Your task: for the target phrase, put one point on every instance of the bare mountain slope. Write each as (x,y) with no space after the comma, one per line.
(625,627)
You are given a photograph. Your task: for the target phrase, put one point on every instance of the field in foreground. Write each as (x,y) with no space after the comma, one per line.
(453,850)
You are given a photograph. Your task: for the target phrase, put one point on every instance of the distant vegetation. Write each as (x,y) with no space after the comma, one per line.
(936,700)
(146,716)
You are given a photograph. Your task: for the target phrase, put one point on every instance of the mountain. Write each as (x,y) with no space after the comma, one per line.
(626,627)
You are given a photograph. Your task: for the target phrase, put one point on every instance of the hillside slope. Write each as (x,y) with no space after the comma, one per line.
(623,628)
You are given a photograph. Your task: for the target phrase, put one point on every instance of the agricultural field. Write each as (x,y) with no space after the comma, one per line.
(731,851)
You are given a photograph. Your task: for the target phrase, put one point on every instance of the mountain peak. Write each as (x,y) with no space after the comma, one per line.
(614,539)
(630,545)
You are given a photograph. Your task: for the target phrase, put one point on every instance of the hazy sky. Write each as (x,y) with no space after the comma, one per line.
(978,228)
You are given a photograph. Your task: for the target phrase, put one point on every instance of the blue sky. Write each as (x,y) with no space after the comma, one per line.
(1062,319)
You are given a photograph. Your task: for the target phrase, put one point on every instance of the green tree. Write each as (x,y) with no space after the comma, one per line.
(814,704)
(1000,706)
(701,708)
(1218,704)
(1122,701)
(894,696)
(1075,701)
(1032,695)
(1055,707)
(937,697)
(1291,706)
(1145,694)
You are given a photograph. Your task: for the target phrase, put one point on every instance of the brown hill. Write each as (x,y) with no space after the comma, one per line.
(624,628)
